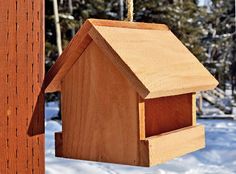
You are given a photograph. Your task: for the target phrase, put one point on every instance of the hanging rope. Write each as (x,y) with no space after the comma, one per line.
(130,6)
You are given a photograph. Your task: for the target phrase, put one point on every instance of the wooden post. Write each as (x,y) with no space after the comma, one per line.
(21,77)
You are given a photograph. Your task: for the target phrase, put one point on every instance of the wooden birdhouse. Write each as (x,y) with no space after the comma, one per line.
(128,94)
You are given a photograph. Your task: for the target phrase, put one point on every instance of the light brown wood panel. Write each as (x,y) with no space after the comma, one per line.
(99,111)
(155,61)
(173,144)
(167,114)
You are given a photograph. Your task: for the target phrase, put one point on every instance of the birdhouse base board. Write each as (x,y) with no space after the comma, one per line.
(161,148)
(157,149)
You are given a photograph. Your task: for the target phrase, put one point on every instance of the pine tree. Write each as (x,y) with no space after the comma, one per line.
(220,40)
(183,18)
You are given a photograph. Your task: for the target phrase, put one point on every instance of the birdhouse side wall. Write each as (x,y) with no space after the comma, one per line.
(99,111)
(166,124)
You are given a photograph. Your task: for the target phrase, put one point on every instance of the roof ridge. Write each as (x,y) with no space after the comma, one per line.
(126,24)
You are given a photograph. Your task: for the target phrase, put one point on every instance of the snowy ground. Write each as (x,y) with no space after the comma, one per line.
(219,156)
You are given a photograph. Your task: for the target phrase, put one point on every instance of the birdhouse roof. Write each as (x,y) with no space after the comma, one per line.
(151,57)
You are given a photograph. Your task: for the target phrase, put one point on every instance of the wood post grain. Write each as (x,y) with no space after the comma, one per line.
(21,97)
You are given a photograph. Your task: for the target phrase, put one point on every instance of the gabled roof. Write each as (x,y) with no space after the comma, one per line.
(149,55)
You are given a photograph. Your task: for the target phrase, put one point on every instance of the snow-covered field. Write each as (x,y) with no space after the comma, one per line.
(219,156)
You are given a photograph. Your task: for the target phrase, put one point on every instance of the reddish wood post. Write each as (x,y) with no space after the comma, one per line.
(21,77)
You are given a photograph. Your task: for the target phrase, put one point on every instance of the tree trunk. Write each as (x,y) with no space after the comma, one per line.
(70,5)
(121,9)
(57,25)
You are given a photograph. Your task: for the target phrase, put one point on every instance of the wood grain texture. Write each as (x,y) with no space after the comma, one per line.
(166,114)
(155,61)
(22,59)
(29,59)
(173,144)
(21,97)
(12,89)
(3,85)
(37,119)
(99,111)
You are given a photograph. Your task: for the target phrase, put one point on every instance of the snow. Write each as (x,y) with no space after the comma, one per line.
(219,156)
(51,110)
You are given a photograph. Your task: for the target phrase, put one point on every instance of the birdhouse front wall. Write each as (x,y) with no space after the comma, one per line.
(99,111)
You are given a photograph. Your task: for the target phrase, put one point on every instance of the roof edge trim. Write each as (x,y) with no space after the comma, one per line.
(158,94)
(67,58)
(126,24)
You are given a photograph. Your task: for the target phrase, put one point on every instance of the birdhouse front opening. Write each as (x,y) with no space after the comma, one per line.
(166,114)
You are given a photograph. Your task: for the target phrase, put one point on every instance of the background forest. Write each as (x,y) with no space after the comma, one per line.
(206,27)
